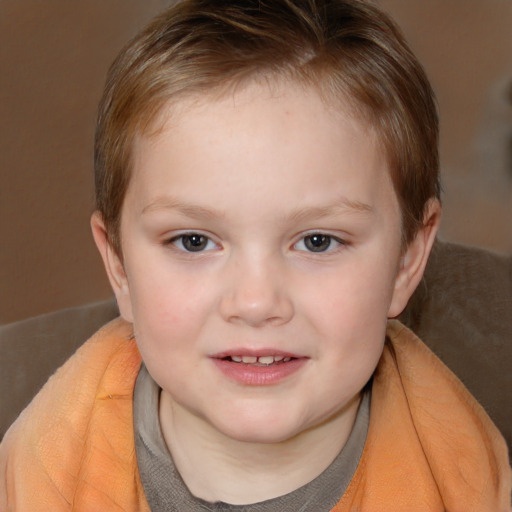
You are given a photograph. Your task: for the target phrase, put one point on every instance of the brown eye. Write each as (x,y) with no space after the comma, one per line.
(193,242)
(317,242)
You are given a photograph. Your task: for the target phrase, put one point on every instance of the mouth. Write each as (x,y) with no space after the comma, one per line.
(264,361)
(258,369)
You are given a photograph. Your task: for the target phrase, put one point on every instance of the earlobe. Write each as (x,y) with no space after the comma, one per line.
(113,266)
(414,260)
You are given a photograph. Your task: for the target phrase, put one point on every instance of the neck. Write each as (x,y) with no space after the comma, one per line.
(216,467)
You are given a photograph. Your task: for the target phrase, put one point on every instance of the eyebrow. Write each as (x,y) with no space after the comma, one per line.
(189,210)
(339,206)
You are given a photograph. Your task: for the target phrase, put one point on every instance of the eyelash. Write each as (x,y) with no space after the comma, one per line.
(330,239)
(202,242)
(179,240)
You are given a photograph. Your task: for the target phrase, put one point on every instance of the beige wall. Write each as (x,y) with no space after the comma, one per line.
(466,47)
(53,58)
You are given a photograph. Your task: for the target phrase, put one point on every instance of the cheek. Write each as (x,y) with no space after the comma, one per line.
(165,290)
(349,312)
(355,295)
(168,306)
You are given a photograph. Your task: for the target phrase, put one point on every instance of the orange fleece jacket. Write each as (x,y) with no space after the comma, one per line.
(430,445)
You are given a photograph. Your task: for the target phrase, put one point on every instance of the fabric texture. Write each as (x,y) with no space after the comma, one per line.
(31,350)
(430,445)
(166,491)
(462,311)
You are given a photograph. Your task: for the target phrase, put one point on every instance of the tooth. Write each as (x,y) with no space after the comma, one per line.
(236,359)
(266,359)
(278,358)
(249,359)
(286,359)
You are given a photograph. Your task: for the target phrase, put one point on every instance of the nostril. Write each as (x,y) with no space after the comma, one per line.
(256,294)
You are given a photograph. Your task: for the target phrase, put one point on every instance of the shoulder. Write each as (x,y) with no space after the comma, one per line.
(436,424)
(463,311)
(31,350)
(88,396)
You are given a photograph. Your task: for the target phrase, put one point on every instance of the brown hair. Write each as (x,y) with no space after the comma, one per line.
(345,48)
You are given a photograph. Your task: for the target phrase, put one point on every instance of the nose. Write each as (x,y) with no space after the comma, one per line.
(256,294)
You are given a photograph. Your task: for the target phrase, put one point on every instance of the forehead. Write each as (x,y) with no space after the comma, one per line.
(284,136)
(236,93)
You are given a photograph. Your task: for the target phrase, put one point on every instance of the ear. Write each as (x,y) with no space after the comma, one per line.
(113,266)
(414,260)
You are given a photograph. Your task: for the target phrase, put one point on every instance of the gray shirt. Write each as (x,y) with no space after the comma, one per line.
(166,491)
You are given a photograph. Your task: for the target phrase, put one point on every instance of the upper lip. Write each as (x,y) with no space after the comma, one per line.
(260,352)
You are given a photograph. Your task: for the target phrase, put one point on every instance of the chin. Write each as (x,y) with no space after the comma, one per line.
(263,429)
(267,436)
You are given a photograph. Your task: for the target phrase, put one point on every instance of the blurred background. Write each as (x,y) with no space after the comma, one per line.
(53,59)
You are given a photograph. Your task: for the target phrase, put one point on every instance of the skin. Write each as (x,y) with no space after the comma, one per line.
(258,173)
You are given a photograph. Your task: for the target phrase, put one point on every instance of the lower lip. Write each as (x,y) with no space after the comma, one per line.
(252,375)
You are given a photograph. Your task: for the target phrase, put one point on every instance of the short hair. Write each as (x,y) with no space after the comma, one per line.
(347,49)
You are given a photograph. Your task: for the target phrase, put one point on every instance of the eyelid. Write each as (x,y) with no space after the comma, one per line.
(341,242)
(171,241)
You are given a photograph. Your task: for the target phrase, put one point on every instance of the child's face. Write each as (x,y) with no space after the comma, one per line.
(260,225)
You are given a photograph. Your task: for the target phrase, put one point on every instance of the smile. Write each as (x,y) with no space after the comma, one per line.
(263,369)
(259,361)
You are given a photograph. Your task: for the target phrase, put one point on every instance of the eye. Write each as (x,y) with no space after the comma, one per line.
(318,242)
(192,242)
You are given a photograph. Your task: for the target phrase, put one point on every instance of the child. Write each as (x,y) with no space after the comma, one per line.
(267,197)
